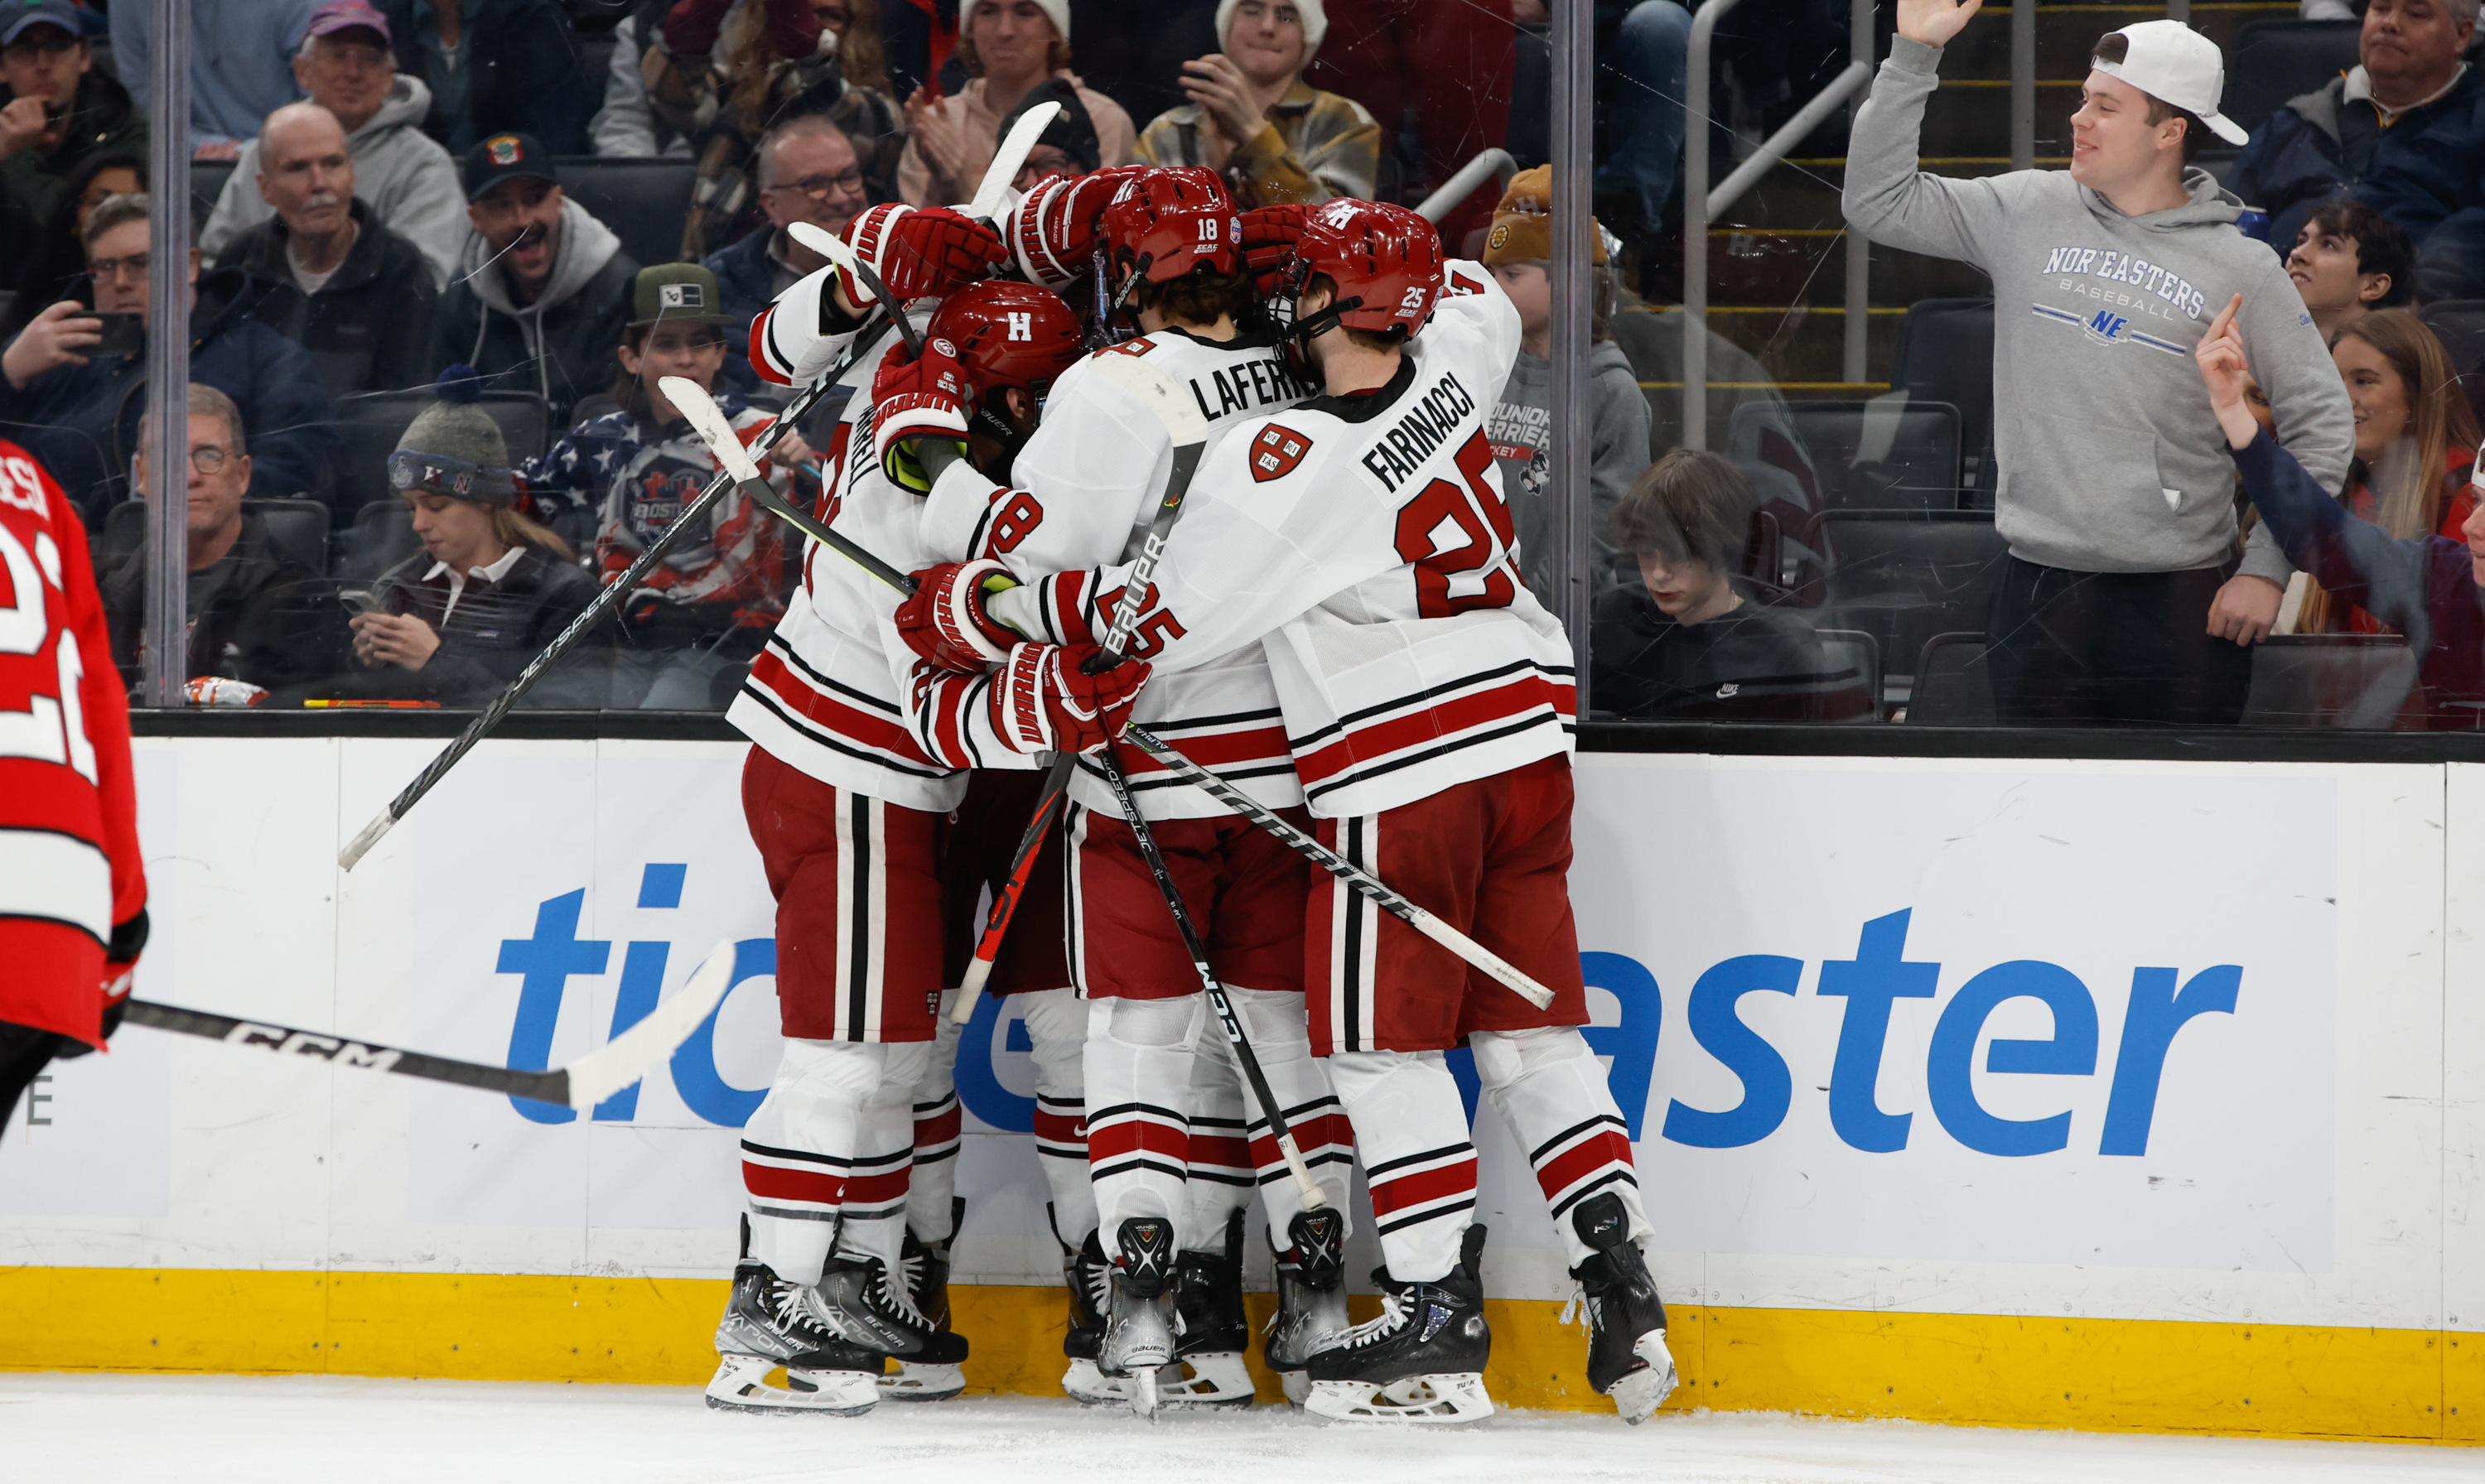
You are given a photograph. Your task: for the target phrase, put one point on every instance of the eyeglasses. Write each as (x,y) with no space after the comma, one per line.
(822,187)
(44,46)
(132,269)
(367,57)
(207,458)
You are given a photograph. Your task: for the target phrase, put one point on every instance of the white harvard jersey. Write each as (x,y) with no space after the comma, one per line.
(1090,482)
(824,694)
(1363,542)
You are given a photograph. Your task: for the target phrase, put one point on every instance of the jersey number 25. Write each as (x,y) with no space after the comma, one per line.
(1476,513)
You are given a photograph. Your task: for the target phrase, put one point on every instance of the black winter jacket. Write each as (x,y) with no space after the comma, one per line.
(272,623)
(529,74)
(370,329)
(497,626)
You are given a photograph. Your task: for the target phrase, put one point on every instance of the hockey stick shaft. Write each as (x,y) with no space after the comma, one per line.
(1218,1000)
(1389,898)
(551,1087)
(606,600)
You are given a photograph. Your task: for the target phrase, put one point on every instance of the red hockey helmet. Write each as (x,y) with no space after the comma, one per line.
(1385,260)
(1008,335)
(1173,220)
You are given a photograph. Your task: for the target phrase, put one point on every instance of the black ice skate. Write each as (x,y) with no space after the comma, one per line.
(1140,1321)
(1627,1355)
(866,1306)
(1209,1369)
(936,1376)
(1090,1280)
(1421,1361)
(1311,1297)
(770,1322)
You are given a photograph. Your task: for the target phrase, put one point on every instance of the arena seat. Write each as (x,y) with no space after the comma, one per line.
(2350,682)
(207,179)
(372,421)
(1953,685)
(2273,61)
(645,201)
(2459,324)
(1846,651)
(299,528)
(1887,453)
(1945,355)
(381,536)
(1906,576)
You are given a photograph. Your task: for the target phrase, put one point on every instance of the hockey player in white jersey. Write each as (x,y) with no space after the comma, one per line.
(1362,540)
(1174,1147)
(848,816)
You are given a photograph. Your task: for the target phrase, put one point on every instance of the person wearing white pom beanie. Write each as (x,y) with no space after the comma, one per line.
(1252,119)
(1009,47)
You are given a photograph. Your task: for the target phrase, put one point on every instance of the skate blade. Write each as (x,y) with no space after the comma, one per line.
(922,1381)
(1298,1384)
(1436,1400)
(1144,1393)
(741,1385)
(1211,1377)
(1085,1385)
(1639,1395)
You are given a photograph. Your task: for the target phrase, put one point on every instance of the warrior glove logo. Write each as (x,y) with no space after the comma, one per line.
(1276,451)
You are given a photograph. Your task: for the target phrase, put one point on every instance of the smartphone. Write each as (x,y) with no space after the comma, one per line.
(359,600)
(124,335)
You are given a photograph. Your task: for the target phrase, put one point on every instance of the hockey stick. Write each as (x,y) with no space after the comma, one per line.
(838,251)
(594,613)
(1012,151)
(1385,896)
(1188,432)
(583,1083)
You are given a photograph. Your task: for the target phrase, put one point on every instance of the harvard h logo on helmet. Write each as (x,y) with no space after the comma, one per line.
(1385,260)
(1173,220)
(1006,335)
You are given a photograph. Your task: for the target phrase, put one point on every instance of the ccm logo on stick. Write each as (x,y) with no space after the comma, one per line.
(327,1048)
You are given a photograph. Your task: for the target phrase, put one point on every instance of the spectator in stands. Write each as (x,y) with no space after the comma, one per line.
(2348,260)
(730,69)
(693,626)
(78,412)
(56,111)
(1518,249)
(409,182)
(496,66)
(241,63)
(627,126)
(2401,129)
(1008,47)
(807,173)
(257,614)
(542,293)
(1440,77)
(490,588)
(1067,147)
(1253,120)
(2114,498)
(2428,586)
(323,272)
(58,258)
(1685,642)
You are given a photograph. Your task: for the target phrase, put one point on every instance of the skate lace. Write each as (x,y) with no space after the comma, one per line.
(900,1301)
(786,1301)
(1393,1318)
(1580,1309)
(910,1270)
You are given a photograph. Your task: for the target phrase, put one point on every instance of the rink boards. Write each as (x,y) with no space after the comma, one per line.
(2099,1093)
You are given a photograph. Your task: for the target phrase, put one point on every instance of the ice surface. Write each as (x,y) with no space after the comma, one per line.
(318,1429)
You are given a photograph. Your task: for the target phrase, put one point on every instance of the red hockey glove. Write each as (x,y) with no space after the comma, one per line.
(120,969)
(918,398)
(1042,703)
(1268,237)
(944,622)
(920,251)
(1053,234)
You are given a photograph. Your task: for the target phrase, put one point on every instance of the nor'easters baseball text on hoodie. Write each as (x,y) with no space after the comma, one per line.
(2111,459)
(562,343)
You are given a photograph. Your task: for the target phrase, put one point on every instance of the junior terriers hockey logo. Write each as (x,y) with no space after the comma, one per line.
(1276,451)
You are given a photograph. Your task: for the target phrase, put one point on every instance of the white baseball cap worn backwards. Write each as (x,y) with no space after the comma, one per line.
(2174,64)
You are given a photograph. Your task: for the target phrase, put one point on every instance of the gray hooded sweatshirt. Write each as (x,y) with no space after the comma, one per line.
(1521,430)
(2111,459)
(563,343)
(408,181)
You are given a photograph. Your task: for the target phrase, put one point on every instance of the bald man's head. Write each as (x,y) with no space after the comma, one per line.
(305,170)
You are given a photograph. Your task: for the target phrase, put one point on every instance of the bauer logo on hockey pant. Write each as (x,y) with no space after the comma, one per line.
(1276,451)
(327,1048)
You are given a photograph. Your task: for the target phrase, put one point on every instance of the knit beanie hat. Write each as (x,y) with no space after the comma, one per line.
(1315,23)
(1058,13)
(1522,224)
(454,447)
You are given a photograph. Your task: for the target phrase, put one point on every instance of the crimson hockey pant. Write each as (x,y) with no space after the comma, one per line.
(829,1155)
(1490,857)
(1172,1131)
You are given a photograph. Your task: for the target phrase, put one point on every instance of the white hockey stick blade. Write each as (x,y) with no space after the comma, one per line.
(1158,393)
(713,426)
(826,243)
(1012,152)
(626,1057)
(360,844)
